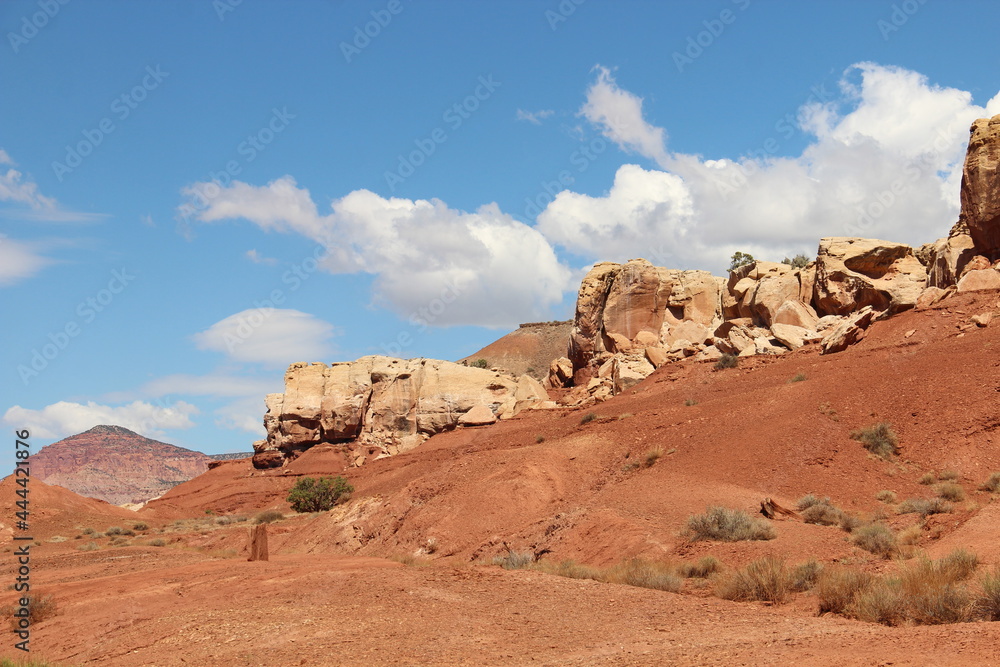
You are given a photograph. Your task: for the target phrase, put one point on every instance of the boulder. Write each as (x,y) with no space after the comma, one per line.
(980,190)
(560,373)
(764,345)
(931,296)
(853,273)
(977,263)
(795,313)
(480,415)
(849,331)
(589,319)
(947,257)
(983,279)
(791,336)
(645,339)
(629,371)
(657,356)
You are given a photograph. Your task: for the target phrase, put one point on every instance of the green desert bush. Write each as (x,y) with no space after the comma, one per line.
(727,525)
(927,479)
(798,377)
(765,579)
(480,363)
(879,439)
(587,418)
(876,538)
(310,495)
(727,361)
(114,530)
(142,525)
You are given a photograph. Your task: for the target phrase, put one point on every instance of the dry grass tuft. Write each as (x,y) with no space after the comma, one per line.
(927,479)
(838,587)
(925,507)
(702,569)
(886,496)
(804,576)
(879,439)
(727,525)
(268,516)
(644,574)
(727,361)
(765,579)
(992,483)
(876,538)
(652,456)
(514,560)
(951,491)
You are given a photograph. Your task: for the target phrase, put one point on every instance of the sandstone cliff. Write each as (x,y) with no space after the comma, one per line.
(115,464)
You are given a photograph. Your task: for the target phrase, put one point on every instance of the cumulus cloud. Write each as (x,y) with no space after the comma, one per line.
(885,161)
(534,117)
(243,415)
(210,385)
(62,419)
(431,263)
(18,260)
(618,114)
(274,337)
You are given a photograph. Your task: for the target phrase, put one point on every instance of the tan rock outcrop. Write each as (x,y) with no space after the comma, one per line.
(980,191)
(478,416)
(386,405)
(947,257)
(981,279)
(796,314)
(852,273)
(560,373)
(849,331)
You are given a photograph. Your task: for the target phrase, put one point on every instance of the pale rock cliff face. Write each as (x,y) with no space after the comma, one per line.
(383,406)
(852,273)
(980,191)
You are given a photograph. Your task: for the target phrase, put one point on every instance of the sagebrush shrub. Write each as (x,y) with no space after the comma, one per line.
(268,516)
(727,525)
(879,439)
(876,538)
(764,579)
(727,361)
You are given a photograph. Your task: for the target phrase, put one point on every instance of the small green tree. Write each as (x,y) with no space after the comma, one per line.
(740,259)
(310,495)
(480,363)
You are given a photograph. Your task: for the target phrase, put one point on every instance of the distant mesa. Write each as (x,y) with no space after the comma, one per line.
(115,464)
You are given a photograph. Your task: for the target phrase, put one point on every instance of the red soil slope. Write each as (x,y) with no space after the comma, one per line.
(529,349)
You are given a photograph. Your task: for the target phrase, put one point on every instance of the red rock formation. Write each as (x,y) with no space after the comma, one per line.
(117,465)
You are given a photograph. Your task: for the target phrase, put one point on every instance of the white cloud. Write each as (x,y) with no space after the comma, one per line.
(64,419)
(534,117)
(244,415)
(885,162)
(618,114)
(18,260)
(274,337)
(30,204)
(440,265)
(257,258)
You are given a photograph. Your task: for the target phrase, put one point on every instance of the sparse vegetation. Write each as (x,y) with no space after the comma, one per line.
(480,363)
(727,360)
(87,531)
(310,495)
(514,560)
(157,542)
(142,525)
(268,516)
(89,546)
(690,402)
(798,377)
(804,576)
(57,538)
(587,418)
(988,604)
(800,261)
(539,439)
(739,259)
(925,507)
(644,574)
(229,518)
(949,475)
(838,587)
(703,568)
(876,538)
(992,483)
(727,525)
(764,579)
(39,608)
(886,496)
(652,456)
(827,409)
(951,491)
(114,530)
(879,439)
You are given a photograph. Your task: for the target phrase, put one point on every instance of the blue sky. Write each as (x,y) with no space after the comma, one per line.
(195,194)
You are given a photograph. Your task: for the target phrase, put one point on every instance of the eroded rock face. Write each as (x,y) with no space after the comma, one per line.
(946,258)
(383,404)
(852,273)
(981,187)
